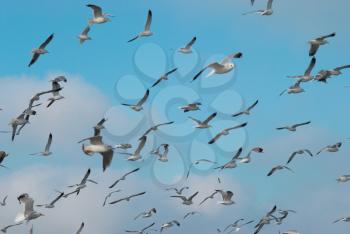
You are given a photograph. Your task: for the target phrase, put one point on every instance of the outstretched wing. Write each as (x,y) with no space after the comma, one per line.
(46,42)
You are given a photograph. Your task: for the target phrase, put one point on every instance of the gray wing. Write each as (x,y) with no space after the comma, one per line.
(313,49)
(57,198)
(238,153)
(149,21)
(238,126)
(198,74)
(86,31)
(215,138)
(269,4)
(212,116)
(97,10)
(107,159)
(48,144)
(342,67)
(87,174)
(291,157)
(157,82)
(272,171)
(80,228)
(189,45)
(310,67)
(231,56)
(253,105)
(171,71)
(96,140)
(145,228)
(143,99)
(46,42)
(301,124)
(141,145)
(326,36)
(34,58)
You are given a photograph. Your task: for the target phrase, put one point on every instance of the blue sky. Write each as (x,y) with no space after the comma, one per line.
(106,71)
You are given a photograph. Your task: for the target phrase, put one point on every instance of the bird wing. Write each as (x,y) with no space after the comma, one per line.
(141,145)
(229,58)
(212,116)
(167,123)
(313,49)
(291,157)
(181,197)
(157,82)
(310,67)
(238,153)
(48,144)
(171,71)
(269,4)
(96,140)
(149,21)
(237,114)
(209,197)
(34,58)
(107,159)
(198,74)
(130,172)
(189,170)
(28,205)
(189,45)
(238,126)
(271,171)
(309,152)
(46,42)
(143,99)
(342,67)
(97,10)
(85,31)
(326,36)
(145,228)
(133,39)
(253,105)
(191,197)
(83,181)
(80,228)
(136,195)
(215,138)
(57,198)
(301,124)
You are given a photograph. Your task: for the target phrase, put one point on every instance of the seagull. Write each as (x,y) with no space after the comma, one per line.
(246,111)
(41,50)
(317,42)
(191,107)
(3,155)
(164,76)
(265,220)
(323,75)
(307,75)
(278,167)
(188,48)
(83,36)
(343,178)
(226,197)
(295,88)
(142,230)
(187,200)
(225,132)
(147,31)
(21,120)
(232,163)
(56,87)
(331,148)
(127,198)
(268,11)
(178,191)
(52,204)
(3,203)
(29,212)
(345,219)
(220,68)
(284,214)
(198,162)
(136,155)
(169,225)
(293,127)
(97,146)
(164,156)
(46,151)
(247,158)
(190,214)
(205,123)
(123,177)
(138,105)
(146,214)
(80,228)
(109,195)
(82,184)
(211,196)
(299,152)
(236,226)
(99,17)
(155,128)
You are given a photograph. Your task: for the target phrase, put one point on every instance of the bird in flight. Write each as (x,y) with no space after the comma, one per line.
(147,30)
(317,42)
(246,111)
(266,12)
(164,77)
(46,151)
(138,105)
(225,132)
(98,16)
(41,50)
(188,48)
(293,127)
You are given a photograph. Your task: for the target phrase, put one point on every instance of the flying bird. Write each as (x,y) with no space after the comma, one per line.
(299,152)
(98,16)
(324,75)
(83,36)
(293,127)
(343,178)
(278,167)
(137,153)
(155,128)
(317,42)
(4,230)
(246,111)
(236,226)
(142,231)
(294,89)
(345,219)
(123,177)
(188,48)
(41,50)
(164,76)
(220,68)
(266,12)
(29,213)
(226,197)
(331,148)
(3,155)
(204,123)
(266,219)
(56,87)
(146,214)
(21,120)
(196,162)
(226,132)
(191,213)
(52,204)
(138,105)
(178,191)
(232,163)
(127,198)
(169,225)
(109,195)
(211,196)
(82,183)
(46,151)
(247,159)
(187,200)
(147,30)
(191,107)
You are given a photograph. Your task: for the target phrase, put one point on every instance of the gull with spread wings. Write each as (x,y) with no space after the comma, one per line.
(226,132)
(41,50)
(147,30)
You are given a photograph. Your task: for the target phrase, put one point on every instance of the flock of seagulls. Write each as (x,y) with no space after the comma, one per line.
(96,145)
